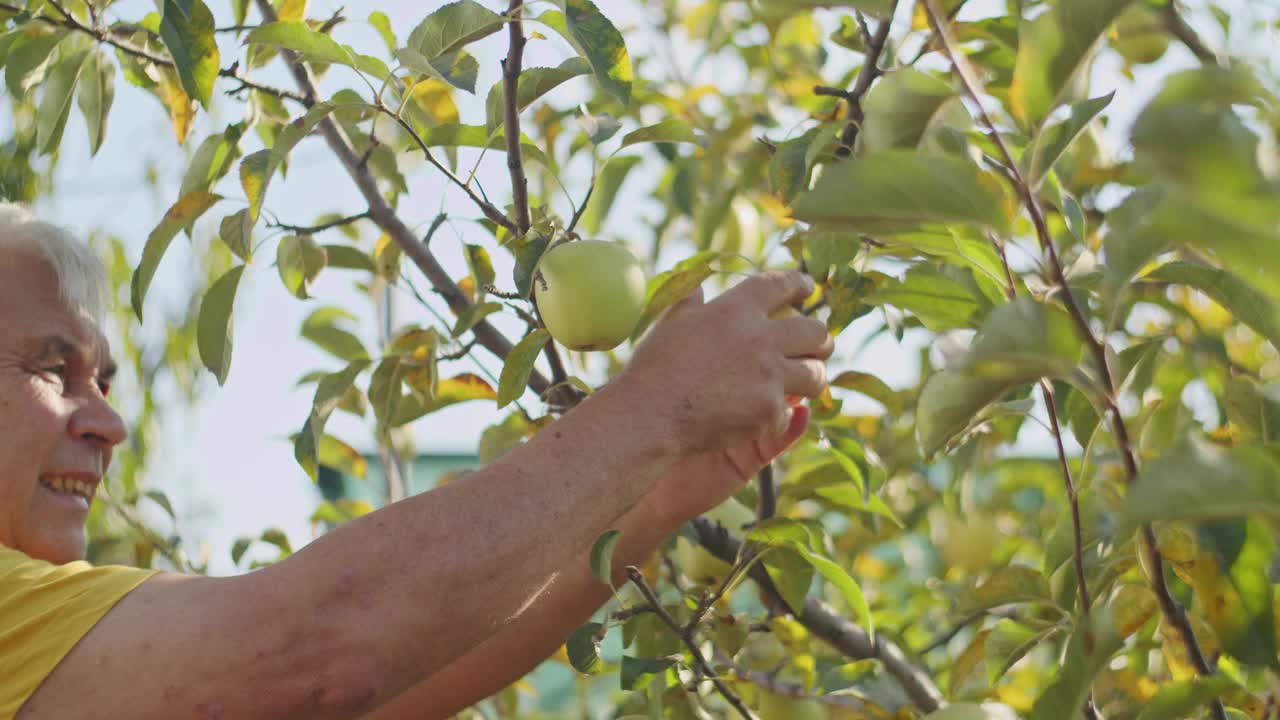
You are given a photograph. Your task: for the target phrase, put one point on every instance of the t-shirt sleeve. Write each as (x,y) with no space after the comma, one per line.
(44,611)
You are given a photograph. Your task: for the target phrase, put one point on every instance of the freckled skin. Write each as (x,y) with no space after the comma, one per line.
(47,423)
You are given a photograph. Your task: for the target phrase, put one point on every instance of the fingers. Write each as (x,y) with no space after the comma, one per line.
(771,290)
(803,337)
(804,376)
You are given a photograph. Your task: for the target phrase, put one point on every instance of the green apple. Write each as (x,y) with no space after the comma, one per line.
(962,711)
(1139,35)
(590,293)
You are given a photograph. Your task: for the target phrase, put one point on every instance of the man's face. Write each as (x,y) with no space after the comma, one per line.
(56,428)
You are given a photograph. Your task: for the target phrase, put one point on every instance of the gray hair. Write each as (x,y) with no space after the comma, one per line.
(82,278)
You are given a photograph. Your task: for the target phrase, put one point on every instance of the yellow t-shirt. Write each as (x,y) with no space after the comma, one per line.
(44,611)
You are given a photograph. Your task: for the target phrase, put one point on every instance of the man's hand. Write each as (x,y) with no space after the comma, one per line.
(702,480)
(722,371)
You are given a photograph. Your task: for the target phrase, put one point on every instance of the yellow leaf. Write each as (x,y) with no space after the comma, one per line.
(435,97)
(1132,607)
(182,109)
(293,10)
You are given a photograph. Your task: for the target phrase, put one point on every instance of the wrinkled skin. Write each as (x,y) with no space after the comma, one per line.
(54,417)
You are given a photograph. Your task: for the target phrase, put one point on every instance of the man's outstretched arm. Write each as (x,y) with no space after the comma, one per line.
(576,594)
(367,611)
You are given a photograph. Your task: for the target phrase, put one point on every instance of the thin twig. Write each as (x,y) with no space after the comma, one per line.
(1187,35)
(700,662)
(485,206)
(867,75)
(316,229)
(1174,613)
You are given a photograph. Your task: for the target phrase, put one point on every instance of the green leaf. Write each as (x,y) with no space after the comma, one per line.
(900,190)
(937,298)
(1054,53)
(636,669)
(519,365)
(382,24)
(457,68)
(528,251)
(1050,144)
(1181,699)
(385,389)
(605,192)
(455,135)
(848,588)
(97,91)
(473,315)
(1200,481)
(299,259)
(481,266)
(321,328)
(190,40)
(1012,584)
(583,648)
(1253,409)
(871,386)
(1245,303)
(671,130)
(1237,593)
(180,215)
(298,37)
(791,573)
(236,231)
(534,83)
(212,160)
(1088,652)
(453,26)
(602,555)
(346,257)
(55,106)
(902,109)
(669,288)
(255,175)
(214,331)
(1009,642)
(329,393)
(602,45)
(162,500)
(28,58)
(1019,342)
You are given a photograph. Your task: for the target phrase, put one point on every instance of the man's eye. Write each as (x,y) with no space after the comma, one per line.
(58,371)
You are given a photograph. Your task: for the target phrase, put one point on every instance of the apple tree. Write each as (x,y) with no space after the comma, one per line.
(1063,214)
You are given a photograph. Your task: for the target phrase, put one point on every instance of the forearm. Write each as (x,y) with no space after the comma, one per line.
(571,598)
(426,580)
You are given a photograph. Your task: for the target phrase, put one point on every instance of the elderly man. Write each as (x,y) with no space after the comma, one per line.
(416,610)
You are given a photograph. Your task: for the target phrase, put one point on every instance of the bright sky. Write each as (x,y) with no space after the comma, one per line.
(228,465)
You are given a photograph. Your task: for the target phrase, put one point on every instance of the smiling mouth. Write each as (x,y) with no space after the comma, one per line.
(69,486)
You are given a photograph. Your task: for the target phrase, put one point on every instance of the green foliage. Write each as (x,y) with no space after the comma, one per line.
(1130,310)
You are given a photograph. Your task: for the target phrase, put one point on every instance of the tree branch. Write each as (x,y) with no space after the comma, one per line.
(823,621)
(700,662)
(511,67)
(1187,35)
(1174,613)
(385,217)
(867,75)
